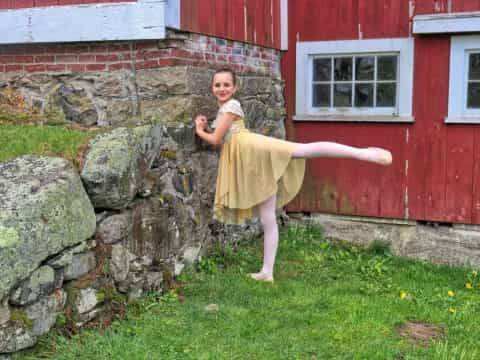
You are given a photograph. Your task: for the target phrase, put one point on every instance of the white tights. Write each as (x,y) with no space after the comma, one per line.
(267,208)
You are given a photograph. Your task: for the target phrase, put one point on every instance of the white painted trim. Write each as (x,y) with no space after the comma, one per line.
(173,14)
(144,19)
(354,118)
(447,23)
(283,24)
(460,46)
(307,50)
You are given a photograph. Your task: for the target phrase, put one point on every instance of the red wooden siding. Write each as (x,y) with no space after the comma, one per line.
(436,171)
(250,21)
(18,4)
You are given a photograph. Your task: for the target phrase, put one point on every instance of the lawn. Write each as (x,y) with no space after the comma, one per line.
(17,140)
(330,300)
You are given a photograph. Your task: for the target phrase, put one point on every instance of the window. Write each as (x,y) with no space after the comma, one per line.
(464,87)
(355,80)
(473,81)
(360,81)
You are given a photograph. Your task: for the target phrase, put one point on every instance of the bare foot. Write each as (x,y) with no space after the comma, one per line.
(380,156)
(261,277)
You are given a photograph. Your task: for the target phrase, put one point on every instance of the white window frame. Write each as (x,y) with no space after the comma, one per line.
(460,47)
(307,51)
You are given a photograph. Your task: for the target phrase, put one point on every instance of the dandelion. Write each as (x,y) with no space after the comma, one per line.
(452,310)
(403,295)
(468,285)
(451,293)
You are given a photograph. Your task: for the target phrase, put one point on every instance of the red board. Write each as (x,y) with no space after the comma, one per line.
(436,171)
(252,21)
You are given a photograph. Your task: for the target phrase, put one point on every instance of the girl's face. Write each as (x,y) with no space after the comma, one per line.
(223,87)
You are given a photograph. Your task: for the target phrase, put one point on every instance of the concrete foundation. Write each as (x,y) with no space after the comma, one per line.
(454,244)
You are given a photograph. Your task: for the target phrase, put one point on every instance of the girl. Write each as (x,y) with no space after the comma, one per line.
(256,173)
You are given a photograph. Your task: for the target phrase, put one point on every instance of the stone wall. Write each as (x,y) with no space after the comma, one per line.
(139,208)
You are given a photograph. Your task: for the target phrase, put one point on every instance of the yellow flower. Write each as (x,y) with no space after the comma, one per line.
(468,285)
(452,310)
(475,273)
(451,293)
(403,295)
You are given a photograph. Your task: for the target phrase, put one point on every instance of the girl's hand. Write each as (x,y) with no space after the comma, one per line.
(201,122)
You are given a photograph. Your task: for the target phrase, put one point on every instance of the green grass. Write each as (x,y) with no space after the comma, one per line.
(329,301)
(17,140)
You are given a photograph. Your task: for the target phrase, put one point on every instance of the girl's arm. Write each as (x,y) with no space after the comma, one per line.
(215,138)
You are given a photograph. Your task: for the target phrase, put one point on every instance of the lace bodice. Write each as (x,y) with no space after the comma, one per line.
(231,106)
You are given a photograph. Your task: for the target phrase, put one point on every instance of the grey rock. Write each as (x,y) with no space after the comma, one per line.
(85,301)
(89,316)
(4,311)
(77,105)
(65,257)
(114,228)
(153,281)
(59,278)
(114,165)
(191,254)
(44,312)
(120,262)
(14,337)
(59,214)
(81,264)
(40,283)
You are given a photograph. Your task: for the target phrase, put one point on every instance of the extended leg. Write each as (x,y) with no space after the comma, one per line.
(270,241)
(331,149)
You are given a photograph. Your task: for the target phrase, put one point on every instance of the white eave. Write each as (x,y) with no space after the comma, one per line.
(143,19)
(464,22)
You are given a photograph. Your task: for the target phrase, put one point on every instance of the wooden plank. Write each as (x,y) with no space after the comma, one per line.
(459,177)
(435,54)
(18,4)
(46,2)
(205,20)
(221,21)
(465,5)
(126,21)
(417,147)
(6,4)
(430,6)
(476,178)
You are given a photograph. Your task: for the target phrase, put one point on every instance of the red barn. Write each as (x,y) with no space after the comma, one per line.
(404,75)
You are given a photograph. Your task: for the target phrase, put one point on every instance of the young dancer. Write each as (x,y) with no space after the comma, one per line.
(256,173)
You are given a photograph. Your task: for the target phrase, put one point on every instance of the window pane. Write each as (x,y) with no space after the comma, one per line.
(322,69)
(386,95)
(473,100)
(474,68)
(387,68)
(364,68)
(343,69)
(342,95)
(321,95)
(364,95)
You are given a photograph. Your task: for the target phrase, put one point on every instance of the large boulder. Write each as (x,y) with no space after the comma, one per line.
(43,209)
(116,164)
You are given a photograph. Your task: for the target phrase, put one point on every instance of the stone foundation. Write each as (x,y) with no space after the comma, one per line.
(452,245)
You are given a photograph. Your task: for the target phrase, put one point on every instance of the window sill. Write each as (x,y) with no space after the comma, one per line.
(462,120)
(354,118)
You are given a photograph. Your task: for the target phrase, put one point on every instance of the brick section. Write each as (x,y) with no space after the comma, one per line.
(178,49)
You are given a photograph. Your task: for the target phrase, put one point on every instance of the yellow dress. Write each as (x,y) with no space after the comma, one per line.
(251,168)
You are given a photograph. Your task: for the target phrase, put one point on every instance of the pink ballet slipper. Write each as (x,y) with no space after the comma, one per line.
(261,277)
(381,156)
